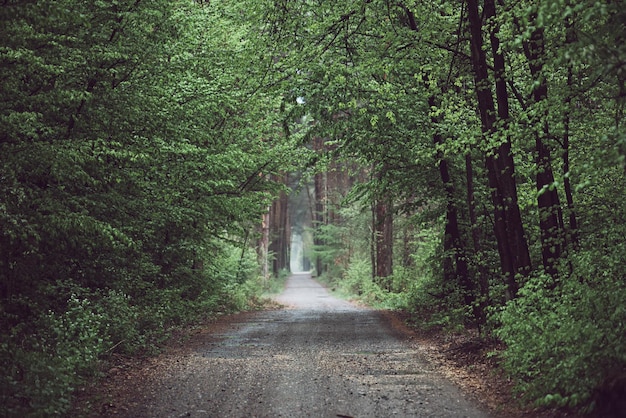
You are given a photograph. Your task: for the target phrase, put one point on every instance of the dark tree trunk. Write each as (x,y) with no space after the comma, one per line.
(456,269)
(453,242)
(483,274)
(373,242)
(505,164)
(572,231)
(508,228)
(280,233)
(550,215)
(384,240)
(320,218)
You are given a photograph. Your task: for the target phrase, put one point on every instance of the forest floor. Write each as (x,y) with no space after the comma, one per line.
(312,355)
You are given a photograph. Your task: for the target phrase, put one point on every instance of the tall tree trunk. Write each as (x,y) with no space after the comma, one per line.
(320,218)
(572,230)
(263,245)
(508,228)
(483,274)
(455,263)
(280,233)
(505,166)
(383,227)
(373,242)
(384,240)
(550,215)
(453,242)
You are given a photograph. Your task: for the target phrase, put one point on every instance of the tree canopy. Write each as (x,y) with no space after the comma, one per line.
(493,130)
(137,157)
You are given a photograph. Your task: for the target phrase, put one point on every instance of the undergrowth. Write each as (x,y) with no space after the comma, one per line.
(46,355)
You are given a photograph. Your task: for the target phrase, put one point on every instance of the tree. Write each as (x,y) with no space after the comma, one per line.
(383,232)
(280,227)
(137,154)
(508,226)
(387,85)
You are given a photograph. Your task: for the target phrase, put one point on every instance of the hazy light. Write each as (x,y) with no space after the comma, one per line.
(296,262)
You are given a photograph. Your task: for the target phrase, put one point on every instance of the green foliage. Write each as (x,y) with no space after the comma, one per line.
(433,302)
(341,242)
(47,358)
(136,151)
(390,88)
(332,251)
(356,283)
(561,345)
(138,141)
(357,280)
(242,282)
(275,285)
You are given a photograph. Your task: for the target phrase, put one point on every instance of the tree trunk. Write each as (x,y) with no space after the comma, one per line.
(572,231)
(280,233)
(505,173)
(373,242)
(384,240)
(263,246)
(508,228)
(452,239)
(455,263)
(483,274)
(550,215)
(320,219)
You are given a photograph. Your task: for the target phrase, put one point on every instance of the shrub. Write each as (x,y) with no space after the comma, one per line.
(47,358)
(49,347)
(561,344)
(357,278)
(357,282)
(433,302)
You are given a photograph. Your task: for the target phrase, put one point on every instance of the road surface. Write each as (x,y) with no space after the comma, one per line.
(318,357)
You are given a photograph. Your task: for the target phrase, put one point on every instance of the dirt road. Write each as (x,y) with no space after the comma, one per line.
(319,357)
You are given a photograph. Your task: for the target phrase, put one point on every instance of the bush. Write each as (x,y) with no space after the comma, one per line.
(356,282)
(357,279)
(562,344)
(239,278)
(433,302)
(46,359)
(121,318)
(49,347)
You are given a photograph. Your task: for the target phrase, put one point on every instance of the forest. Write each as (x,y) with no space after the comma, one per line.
(463,161)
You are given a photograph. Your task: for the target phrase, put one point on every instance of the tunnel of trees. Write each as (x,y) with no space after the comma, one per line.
(461,160)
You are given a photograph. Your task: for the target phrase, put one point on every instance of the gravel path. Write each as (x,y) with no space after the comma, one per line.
(319,357)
